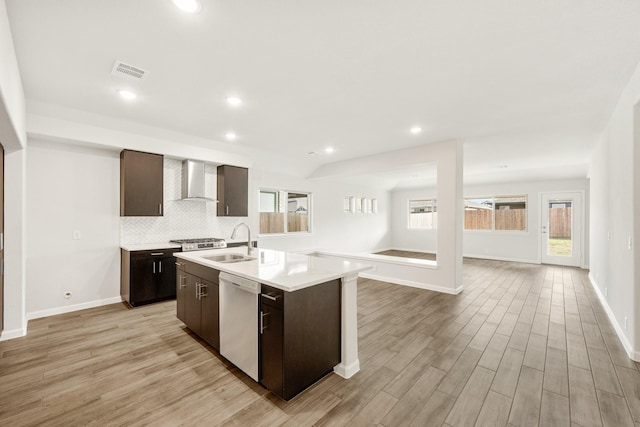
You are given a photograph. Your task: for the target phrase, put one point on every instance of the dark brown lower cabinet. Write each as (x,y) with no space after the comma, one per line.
(147,276)
(300,336)
(197,300)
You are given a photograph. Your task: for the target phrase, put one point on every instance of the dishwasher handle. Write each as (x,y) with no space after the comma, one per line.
(239,282)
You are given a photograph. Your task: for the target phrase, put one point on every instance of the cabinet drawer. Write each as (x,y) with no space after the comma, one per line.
(272,296)
(158,253)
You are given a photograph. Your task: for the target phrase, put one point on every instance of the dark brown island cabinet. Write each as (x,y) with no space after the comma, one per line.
(147,276)
(299,337)
(299,332)
(197,300)
(141,183)
(233,190)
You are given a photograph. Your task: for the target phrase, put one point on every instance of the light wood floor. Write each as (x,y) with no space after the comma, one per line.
(408,254)
(523,344)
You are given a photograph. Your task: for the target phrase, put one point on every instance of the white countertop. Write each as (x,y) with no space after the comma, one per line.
(283,270)
(149,246)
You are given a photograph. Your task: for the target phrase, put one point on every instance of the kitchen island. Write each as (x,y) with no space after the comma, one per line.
(301,284)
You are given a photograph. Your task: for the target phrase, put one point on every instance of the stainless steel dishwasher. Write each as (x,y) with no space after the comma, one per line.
(239,322)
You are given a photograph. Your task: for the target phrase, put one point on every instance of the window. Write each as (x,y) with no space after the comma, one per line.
(284,212)
(423,214)
(511,213)
(478,214)
(502,213)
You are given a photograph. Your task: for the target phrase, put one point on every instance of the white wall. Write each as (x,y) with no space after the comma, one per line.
(13,138)
(332,228)
(15,323)
(12,105)
(614,217)
(448,156)
(520,246)
(71,188)
(503,245)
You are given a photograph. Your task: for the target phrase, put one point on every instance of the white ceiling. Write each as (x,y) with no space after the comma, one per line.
(529,84)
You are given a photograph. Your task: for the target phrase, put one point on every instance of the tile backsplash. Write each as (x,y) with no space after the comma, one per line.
(183,219)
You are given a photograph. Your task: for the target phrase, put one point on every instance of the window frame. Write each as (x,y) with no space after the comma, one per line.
(493,214)
(434,206)
(286,212)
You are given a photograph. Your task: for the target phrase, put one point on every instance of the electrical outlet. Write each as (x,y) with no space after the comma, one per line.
(77,235)
(625,323)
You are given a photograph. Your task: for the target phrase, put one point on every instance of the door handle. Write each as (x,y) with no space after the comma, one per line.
(203,293)
(154,267)
(183,279)
(262,326)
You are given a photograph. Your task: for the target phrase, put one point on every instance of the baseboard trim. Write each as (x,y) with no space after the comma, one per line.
(412,284)
(74,307)
(347,371)
(13,333)
(633,354)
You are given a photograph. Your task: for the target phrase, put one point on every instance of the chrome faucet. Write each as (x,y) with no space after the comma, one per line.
(235,230)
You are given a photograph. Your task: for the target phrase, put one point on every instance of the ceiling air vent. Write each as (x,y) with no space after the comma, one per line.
(128,71)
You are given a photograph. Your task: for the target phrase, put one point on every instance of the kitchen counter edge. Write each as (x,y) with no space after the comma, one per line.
(347,268)
(149,246)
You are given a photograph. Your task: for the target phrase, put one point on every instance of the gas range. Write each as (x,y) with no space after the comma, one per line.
(201,244)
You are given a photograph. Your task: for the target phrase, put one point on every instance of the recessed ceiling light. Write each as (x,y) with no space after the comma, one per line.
(329,150)
(189,6)
(415,130)
(234,101)
(230,136)
(127,94)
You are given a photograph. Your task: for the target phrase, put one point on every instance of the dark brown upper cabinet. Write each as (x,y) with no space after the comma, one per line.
(141,184)
(233,191)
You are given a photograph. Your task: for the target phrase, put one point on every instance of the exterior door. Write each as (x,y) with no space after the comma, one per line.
(561,228)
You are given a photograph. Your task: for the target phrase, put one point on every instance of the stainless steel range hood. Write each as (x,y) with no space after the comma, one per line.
(193,181)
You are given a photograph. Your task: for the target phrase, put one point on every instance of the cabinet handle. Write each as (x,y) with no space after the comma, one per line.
(262,316)
(202,293)
(183,283)
(154,267)
(157,253)
(272,298)
(227,209)
(160,208)
(160,266)
(179,264)
(197,290)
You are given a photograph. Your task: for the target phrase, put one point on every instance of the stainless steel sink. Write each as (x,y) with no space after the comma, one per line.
(229,258)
